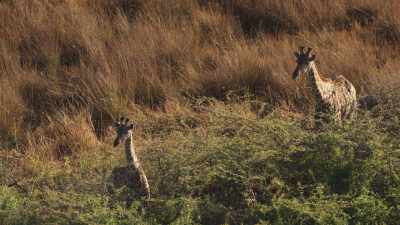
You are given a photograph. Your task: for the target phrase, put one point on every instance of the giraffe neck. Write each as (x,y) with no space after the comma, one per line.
(318,87)
(133,163)
(130,152)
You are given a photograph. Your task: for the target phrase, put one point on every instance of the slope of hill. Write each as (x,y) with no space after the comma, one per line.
(192,74)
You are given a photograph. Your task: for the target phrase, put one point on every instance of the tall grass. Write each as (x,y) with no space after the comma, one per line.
(192,73)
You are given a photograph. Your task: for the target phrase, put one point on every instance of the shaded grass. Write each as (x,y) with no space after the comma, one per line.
(192,74)
(231,169)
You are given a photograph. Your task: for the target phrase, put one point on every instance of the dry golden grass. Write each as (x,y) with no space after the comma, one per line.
(61,59)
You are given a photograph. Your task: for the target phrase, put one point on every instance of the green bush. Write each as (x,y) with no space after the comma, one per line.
(229,169)
(368,209)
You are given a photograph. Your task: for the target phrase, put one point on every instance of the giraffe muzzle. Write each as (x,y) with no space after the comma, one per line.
(295,74)
(116,142)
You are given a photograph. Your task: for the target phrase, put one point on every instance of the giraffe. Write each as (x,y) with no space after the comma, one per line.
(124,134)
(336,97)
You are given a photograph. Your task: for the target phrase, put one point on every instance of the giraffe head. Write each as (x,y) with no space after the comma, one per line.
(123,129)
(303,59)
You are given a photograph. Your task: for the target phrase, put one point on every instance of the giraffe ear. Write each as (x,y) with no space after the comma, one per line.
(312,58)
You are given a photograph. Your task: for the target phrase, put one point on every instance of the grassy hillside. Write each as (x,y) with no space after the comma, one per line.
(193,74)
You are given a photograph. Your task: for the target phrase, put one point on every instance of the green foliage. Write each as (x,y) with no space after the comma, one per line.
(8,199)
(368,209)
(229,169)
(15,210)
(68,68)
(179,211)
(317,211)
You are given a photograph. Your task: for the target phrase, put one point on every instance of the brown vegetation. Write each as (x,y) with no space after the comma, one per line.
(64,62)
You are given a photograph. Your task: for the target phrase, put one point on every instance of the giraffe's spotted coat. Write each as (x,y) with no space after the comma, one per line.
(124,134)
(336,97)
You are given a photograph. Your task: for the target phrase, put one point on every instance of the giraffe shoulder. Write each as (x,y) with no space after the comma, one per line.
(342,80)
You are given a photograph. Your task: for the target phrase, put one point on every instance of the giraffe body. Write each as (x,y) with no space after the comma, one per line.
(124,134)
(335,97)
(133,162)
